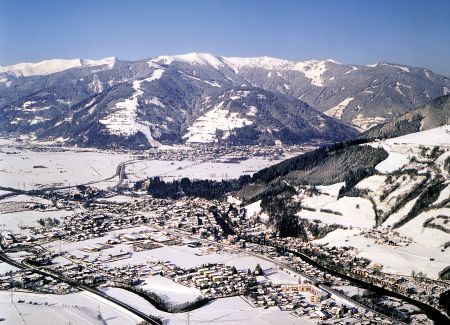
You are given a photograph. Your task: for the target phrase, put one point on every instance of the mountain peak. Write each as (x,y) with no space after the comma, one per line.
(44,67)
(50,66)
(110,61)
(191,58)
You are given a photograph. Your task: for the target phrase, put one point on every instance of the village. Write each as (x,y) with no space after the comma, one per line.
(109,243)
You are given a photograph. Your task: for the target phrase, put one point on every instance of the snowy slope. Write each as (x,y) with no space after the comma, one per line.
(405,201)
(123,120)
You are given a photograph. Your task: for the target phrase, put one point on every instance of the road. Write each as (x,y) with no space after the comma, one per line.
(26,266)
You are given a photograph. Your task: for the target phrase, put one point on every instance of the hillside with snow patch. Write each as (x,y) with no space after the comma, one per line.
(396,214)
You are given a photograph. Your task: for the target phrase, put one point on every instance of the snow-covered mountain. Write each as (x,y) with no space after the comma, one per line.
(51,66)
(432,115)
(201,97)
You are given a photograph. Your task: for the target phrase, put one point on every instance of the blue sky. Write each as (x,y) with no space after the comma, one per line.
(359,32)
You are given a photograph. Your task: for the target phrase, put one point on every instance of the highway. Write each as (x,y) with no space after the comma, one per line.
(148,318)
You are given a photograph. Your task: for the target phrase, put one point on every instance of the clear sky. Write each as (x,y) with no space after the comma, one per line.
(411,32)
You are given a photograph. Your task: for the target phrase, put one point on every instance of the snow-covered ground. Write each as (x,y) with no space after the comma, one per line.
(219,118)
(76,308)
(433,137)
(29,169)
(215,170)
(188,257)
(172,292)
(426,236)
(123,118)
(426,251)
(12,221)
(350,290)
(399,260)
(338,110)
(373,183)
(394,161)
(118,199)
(26,198)
(352,211)
(5,267)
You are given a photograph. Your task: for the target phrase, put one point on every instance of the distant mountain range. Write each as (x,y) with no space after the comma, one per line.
(205,98)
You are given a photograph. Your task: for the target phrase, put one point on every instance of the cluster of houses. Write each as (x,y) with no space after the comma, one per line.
(27,280)
(209,152)
(287,296)
(216,280)
(102,274)
(343,260)
(386,236)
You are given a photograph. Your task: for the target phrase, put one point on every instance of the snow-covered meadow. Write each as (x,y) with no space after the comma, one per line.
(75,308)
(28,169)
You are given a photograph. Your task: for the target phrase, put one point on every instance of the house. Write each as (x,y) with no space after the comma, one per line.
(322,314)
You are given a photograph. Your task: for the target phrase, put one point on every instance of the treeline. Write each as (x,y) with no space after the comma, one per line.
(325,163)
(425,199)
(278,204)
(207,189)
(447,164)
(161,304)
(353,177)
(48,222)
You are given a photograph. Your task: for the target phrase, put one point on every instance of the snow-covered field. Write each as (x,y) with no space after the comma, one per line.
(76,308)
(5,267)
(434,137)
(395,160)
(399,260)
(216,170)
(29,169)
(26,198)
(373,183)
(12,221)
(171,292)
(351,211)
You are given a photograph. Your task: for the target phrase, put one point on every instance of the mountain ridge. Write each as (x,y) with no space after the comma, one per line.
(175,104)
